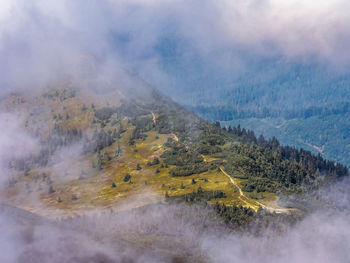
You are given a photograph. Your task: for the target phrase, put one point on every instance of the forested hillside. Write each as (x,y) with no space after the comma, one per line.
(303,105)
(153,172)
(325,135)
(97,149)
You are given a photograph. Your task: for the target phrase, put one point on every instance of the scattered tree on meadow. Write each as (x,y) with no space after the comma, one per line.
(127,177)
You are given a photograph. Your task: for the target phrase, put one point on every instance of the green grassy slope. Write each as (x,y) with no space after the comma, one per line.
(119,149)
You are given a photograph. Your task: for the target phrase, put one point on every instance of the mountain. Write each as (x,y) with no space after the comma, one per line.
(138,160)
(95,148)
(303,104)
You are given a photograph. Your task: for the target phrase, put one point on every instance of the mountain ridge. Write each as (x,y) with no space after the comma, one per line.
(152,143)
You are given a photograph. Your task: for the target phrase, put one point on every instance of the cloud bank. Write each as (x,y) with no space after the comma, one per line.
(44,41)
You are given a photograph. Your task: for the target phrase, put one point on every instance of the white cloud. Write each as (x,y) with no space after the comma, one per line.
(41,41)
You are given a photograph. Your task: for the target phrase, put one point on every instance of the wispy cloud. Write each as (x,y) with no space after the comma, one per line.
(42,41)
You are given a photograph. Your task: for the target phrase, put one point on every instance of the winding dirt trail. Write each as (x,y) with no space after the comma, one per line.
(154,118)
(174,137)
(242,196)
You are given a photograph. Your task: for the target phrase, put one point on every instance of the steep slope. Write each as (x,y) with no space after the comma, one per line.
(105,149)
(326,135)
(310,99)
(297,103)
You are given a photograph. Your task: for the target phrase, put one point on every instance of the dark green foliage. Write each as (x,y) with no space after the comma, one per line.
(275,168)
(106,156)
(114,185)
(273,88)
(215,139)
(116,134)
(198,197)
(256,196)
(268,166)
(126,109)
(179,155)
(62,95)
(173,118)
(299,104)
(100,139)
(155,161)
(329,133)
(138,167)
(144,124)
(131,110)
(105,113)
(188,170)
(208,149)
(127,177)
(118,152)
(136,134)
(260,185)
(237,217)
(157,171)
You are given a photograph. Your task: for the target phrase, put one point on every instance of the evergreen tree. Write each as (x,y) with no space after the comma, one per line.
(127,177)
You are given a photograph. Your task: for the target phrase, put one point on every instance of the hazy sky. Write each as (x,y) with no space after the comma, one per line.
(39,40)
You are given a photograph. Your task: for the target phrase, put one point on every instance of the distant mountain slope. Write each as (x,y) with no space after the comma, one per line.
(325,135)
(312,101)
(231,85)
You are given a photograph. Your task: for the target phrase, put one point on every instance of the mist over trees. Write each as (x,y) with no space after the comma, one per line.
(113,170)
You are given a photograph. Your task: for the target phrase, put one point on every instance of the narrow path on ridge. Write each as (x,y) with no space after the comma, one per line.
(242,196)
(154,118)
